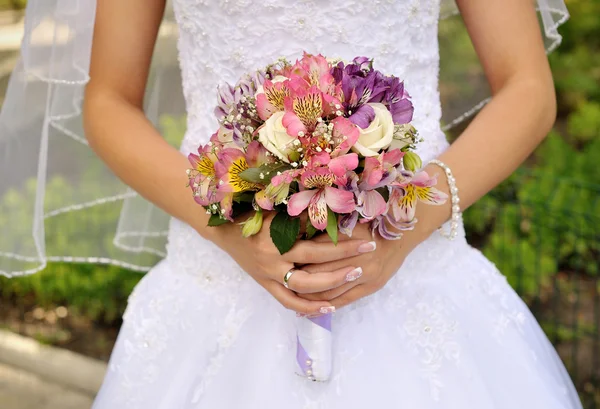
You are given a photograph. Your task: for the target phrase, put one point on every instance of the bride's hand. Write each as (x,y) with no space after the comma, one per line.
(259,257)
(376,268)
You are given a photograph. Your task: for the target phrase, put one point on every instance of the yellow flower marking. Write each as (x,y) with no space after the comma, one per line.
(424,193)
(410,196)
(235,181)
(205,166)
(309,108)
(276,97)
(319,181)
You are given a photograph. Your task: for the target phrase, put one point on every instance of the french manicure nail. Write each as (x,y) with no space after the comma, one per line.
(367,247)
(354,275)
(327,310)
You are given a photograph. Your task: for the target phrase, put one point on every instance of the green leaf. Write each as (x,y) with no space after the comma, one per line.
(332,225)
(216,220)
(252,175)
(268,171)
(284,231)
(310,230)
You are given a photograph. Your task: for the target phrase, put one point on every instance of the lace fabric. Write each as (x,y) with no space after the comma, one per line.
(446,331)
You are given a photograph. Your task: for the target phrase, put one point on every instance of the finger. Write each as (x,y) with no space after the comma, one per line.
(330,266)
(310,252)
(292,302)
(303,282)
(351,296)
(332,293)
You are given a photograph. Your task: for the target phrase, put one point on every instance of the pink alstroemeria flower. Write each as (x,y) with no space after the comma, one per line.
(231,163)
(408,190)
(316,71)
(303,108)
(320,193)
(339,166)
(202,176)
(317,200)
(277,191)
(345,134)
(370,204)
(379,172)
(272,99)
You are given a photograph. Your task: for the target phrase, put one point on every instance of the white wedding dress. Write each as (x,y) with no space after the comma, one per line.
(447,331)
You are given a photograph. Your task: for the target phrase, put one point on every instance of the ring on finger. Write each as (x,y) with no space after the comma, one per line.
(286,278)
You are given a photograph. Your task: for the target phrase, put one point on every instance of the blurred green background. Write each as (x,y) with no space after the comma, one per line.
(540,227)
(13,4)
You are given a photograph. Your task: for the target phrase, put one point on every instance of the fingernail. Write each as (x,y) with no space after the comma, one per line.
(300,315)
(327,310)
(354,274)
(367,247)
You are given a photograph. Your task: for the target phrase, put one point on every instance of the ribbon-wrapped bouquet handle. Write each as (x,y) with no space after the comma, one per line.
(314,348)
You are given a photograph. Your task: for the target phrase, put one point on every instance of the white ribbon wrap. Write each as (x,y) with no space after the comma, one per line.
(314,349)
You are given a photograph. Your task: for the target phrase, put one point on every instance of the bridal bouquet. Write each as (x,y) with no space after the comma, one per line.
(328,136)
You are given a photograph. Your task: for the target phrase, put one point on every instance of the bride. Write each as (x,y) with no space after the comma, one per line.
(423,322)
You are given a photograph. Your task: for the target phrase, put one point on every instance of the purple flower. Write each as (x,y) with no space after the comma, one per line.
(362,116)
(347,223)
(358,81)
(361,84)
(394,97)
(364,63)
(397,100)
(380,225)
(235,109)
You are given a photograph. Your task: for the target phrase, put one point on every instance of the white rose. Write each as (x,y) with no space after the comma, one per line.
(261,89)
(378,135)
(273,136)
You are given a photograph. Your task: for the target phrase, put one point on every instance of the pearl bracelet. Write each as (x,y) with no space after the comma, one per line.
(456,213)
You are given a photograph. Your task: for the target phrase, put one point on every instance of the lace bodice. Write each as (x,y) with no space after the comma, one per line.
(222,39)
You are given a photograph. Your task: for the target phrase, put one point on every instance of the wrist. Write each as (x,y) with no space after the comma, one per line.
(200,224)
(211,233)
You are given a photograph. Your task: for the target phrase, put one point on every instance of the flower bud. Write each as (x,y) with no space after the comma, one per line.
(294,156)
(278,193)
(253,225)
(412,161)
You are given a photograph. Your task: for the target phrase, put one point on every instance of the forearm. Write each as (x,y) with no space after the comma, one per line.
(132,148)
(498,140)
